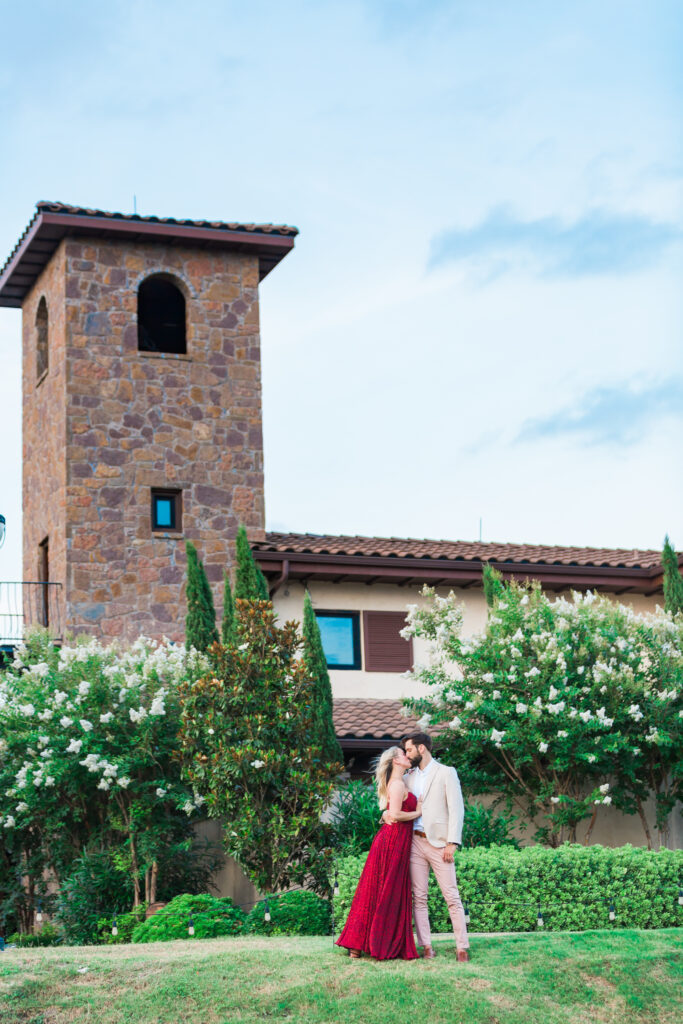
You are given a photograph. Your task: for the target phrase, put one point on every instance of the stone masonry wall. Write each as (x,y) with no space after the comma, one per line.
(141,420)
(44,438)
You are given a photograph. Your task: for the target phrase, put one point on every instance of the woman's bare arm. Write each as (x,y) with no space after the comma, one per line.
(396,791)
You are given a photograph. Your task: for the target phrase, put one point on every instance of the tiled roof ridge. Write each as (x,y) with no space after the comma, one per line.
(405,547)
(443,540)
(48,206)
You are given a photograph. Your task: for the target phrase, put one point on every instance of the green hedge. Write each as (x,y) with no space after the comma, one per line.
(48,935)
(573,884)
(293,913)
(126,924)
(210,916)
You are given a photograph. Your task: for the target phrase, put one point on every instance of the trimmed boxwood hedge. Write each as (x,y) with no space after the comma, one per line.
(210,916)
(573,884)
(294,913)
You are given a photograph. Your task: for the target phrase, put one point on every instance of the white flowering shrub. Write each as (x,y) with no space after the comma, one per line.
(87,740)
(561,706)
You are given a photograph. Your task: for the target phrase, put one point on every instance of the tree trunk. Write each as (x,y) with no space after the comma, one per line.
(153,886)
(26,907)
(591,823)
(643,820)
(135,869)
(151,876)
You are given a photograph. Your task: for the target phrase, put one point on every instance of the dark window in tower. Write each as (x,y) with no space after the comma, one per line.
(161,316)
(44,578)
(41,340)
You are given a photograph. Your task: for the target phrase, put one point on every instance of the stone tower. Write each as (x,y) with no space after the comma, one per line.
(141,406)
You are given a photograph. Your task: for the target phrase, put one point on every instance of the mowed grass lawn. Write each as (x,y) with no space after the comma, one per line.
(622,976)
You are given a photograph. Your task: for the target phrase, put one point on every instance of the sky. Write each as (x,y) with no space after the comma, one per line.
(480,327)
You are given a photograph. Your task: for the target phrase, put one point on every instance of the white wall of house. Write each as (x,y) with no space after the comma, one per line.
(288,603)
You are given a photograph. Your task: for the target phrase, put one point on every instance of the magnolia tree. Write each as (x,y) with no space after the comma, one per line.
(252,749)
(560,706)
(87,741)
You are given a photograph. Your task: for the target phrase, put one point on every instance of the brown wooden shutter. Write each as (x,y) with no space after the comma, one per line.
(385,649)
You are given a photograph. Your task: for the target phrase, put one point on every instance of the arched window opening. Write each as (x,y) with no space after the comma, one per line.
(41,340)
(161,316)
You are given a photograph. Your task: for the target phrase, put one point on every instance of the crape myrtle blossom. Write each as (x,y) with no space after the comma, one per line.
(88,737)
(585,670)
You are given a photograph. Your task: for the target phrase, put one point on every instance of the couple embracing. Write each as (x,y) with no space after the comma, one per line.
(421,830)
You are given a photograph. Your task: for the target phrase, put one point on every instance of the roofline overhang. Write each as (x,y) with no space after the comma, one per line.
(49,229)
(365,742)
(379,569)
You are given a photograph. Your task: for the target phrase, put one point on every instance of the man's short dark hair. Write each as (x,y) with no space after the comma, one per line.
(418,738)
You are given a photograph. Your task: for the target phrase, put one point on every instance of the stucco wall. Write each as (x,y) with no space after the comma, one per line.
(380,597)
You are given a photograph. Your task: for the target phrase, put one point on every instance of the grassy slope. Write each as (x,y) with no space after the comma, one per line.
(624,976)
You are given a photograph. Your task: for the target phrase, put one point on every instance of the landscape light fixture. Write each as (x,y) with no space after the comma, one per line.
(3,530)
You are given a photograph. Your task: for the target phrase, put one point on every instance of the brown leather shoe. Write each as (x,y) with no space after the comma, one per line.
(463,956)
(428,953)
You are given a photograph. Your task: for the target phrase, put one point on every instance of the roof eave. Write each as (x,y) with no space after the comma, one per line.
(454,573)
(270,248)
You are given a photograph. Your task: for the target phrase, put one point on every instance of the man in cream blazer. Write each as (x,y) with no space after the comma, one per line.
(436,836)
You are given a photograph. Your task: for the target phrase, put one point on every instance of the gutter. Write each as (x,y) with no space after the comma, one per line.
(282,578)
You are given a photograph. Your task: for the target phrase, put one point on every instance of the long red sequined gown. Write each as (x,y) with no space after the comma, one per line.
(380,919)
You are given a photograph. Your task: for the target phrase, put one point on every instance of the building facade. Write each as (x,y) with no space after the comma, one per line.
(142,422)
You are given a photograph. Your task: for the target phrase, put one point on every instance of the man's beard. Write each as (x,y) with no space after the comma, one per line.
(416,760)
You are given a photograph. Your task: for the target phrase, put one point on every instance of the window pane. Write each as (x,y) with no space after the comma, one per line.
(337,638)
(163,511)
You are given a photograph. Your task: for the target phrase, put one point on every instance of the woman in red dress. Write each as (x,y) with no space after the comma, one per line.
(380,920)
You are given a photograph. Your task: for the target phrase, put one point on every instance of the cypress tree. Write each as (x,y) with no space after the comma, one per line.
(321,697)
(200,622)
(673,582)
(250,583)
(494,588)
(228,623)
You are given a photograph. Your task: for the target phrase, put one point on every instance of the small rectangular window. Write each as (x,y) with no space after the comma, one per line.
(385,648)
(340,633)
(166,511)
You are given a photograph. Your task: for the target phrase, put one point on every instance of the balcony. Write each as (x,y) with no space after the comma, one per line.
(29,604)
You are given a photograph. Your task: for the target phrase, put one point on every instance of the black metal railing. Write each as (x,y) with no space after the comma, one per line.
(23,605)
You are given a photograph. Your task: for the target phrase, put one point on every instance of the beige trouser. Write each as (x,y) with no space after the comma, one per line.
(424,856)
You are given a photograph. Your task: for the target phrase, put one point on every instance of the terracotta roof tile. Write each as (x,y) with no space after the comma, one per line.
(475,551)
(84,211)
(355,718)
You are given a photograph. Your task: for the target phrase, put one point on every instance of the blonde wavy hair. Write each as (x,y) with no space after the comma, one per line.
(383,769)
